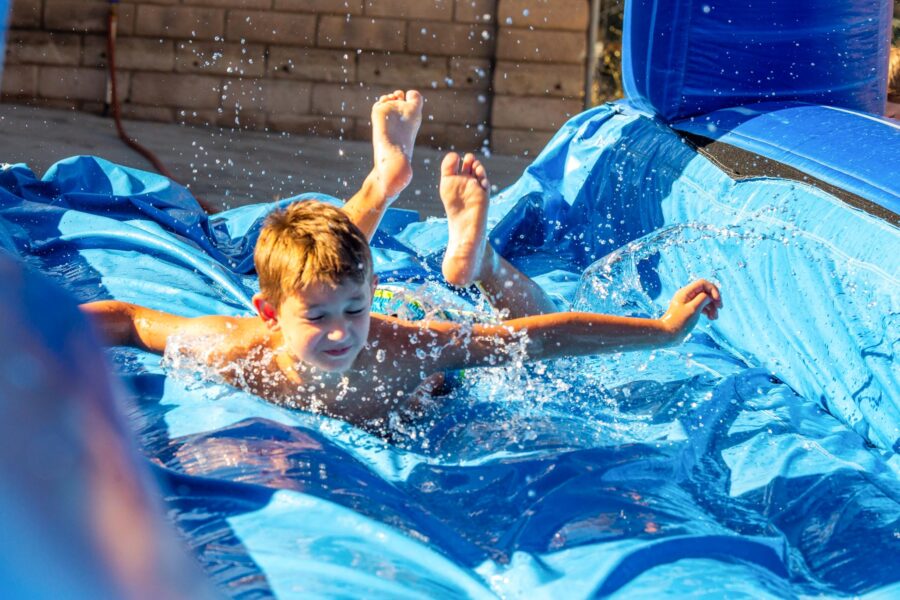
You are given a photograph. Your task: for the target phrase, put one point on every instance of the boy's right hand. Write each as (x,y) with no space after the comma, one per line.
(688,303)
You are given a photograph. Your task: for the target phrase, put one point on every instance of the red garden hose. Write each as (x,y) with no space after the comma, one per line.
(113,101)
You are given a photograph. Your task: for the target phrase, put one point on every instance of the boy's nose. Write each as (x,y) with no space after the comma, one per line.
(338,332)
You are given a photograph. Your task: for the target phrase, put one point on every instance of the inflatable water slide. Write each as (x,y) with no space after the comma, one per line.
(757,459)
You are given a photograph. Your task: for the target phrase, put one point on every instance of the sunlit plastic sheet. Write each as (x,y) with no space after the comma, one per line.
(852,151)
(755,459)
(689,57)
(817,277)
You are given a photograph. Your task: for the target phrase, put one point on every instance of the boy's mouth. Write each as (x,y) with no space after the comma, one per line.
(337,352)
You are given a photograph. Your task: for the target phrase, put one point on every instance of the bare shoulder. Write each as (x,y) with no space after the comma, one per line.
(240,350)
(237,328)
(222,339)
(406,341)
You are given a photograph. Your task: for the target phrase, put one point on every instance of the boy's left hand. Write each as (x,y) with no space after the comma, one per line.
(688,303)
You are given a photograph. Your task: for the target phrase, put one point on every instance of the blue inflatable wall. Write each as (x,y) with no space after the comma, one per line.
(688,57)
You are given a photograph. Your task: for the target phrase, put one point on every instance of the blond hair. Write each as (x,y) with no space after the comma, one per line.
(894,75)
(309,242)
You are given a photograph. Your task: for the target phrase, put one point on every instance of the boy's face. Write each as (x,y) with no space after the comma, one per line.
(327,327)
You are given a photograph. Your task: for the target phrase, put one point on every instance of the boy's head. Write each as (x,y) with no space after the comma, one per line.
(315,280)
(309,243)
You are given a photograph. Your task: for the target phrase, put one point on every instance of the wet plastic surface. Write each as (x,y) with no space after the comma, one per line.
(851,151)
(758,458)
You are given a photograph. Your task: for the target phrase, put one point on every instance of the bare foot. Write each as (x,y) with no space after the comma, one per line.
(396,119)
(464,192)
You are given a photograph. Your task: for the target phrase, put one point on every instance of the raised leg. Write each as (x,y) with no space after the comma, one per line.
(469,258)
(396,119)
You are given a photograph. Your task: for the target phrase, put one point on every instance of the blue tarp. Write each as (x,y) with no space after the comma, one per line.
(759,458)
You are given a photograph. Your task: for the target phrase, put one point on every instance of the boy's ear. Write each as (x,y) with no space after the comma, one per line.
(374,284)
(266,311)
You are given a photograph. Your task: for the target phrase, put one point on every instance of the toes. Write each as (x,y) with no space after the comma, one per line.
(470,167)
(395,95)
(467,163)
(450,165)
(413,96)
(481,174)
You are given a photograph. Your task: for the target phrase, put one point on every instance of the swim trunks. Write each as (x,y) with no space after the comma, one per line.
(396,300)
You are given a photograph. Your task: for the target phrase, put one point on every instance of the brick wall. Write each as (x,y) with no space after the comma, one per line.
(502,73)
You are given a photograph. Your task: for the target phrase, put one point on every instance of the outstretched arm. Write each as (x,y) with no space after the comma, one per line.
(124,324)
(558,334)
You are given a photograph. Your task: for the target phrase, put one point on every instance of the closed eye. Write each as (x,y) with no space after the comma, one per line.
(355,312)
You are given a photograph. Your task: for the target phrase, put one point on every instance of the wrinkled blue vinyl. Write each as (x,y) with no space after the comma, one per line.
(758,459)
(688,57)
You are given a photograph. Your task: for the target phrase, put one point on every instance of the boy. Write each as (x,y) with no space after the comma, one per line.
(314,344)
